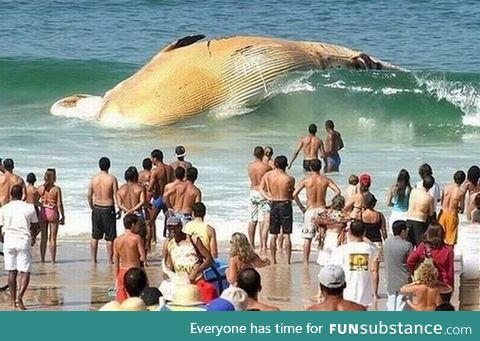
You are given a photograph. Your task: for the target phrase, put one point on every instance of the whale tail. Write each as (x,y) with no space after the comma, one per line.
(81,106)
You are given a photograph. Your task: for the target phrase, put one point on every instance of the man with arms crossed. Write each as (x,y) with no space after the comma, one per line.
(421,210)
(316,186)
(453,202)
(311,146)
(102,192)
(277,187)
(17,218)
(258,204)
(333,144)
(128,252)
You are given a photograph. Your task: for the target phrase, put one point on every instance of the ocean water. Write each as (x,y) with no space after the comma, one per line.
(389,120)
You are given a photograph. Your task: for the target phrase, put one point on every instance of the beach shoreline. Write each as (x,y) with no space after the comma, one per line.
(74,283)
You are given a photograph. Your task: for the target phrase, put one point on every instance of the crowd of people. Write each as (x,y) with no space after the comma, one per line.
(415,244)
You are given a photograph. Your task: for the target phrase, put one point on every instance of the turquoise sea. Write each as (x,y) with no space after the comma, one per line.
(389,120)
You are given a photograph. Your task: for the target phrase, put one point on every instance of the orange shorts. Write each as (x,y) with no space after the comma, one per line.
(121,291)
(449,221)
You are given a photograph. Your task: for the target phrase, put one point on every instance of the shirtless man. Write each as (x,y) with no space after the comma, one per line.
(129,252)
(159,177)
(453,202)
(102,192)
(421,210)
(180,154)
(182,196)
(131,196)
(249,280)
(316,186)
(277,187)
(259,208)
(144,175)
(33,197)
(8,180)
(333,144)
(311,146)
(332,285)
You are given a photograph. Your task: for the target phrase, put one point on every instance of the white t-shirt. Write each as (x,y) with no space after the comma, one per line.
(434,192)
(356,259)
(16,218)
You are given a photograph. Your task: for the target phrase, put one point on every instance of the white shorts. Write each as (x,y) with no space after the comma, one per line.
(329,245)
(17,253)
(259,206)
(310,229)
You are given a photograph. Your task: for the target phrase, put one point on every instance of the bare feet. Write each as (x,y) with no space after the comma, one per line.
(19,304)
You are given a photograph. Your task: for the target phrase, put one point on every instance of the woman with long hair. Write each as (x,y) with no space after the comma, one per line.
(51,214)
(242,256)
(398,197)
(434,247)
(376,232)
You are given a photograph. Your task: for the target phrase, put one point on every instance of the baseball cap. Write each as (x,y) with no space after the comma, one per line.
(332,276)
(220,304)
(173,221)
(237,296)
(180,151)
(365,179)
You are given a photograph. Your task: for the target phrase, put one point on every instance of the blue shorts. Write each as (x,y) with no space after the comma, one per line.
(334,161)
(158,203)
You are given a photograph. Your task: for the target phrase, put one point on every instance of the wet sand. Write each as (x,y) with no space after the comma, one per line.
(74,283)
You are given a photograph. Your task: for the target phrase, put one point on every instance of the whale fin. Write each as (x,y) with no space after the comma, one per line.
(185,41)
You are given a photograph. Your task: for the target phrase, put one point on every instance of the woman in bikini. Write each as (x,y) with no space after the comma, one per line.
(356,204)
(50,211)
(242,256)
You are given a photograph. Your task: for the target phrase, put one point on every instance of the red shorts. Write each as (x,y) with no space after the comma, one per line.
(208,291)
(121,291)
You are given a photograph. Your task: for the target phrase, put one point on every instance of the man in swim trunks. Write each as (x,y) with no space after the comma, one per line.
(453,202)
(8,180)
(311,146)
(333,144)
(128,252)
(102,192)
(131,196)
(180,154)
(316,186)
(258,204)
(421,211)
(181,197)
(277,187)
(161,175)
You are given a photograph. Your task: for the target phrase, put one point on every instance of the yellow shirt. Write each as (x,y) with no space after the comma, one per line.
(198,229)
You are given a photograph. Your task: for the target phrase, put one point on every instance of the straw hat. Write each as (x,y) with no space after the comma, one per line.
(111,306)
(187,295)
(133,304)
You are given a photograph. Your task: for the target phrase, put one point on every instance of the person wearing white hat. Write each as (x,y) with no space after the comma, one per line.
(180,154)
(237,297)
(332,285)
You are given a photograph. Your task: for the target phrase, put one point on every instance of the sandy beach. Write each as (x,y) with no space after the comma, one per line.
(75,284)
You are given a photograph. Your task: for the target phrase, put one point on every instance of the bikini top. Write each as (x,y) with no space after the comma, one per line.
(373,230)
